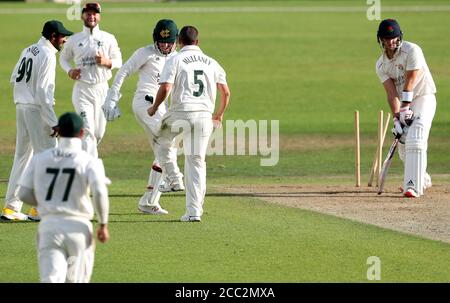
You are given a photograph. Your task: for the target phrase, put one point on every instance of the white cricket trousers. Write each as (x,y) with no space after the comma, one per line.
(196,128)
(87,100)
(33,136)
(151,125)
(65,249)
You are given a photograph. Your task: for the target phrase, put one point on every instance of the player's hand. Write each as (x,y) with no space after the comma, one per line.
(406,115)
(101,60)
(111,106)
(217,120)
(398,129)
(111,110)
(55,131)
(152,110)
(74,73)
(103,233)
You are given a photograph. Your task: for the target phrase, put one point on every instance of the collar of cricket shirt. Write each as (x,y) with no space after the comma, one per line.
(87,30)
(69,143)
(190,48)
(44,42)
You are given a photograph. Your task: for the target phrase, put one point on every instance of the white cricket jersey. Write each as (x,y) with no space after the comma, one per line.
(195,77)
(61,177)
(149,62)
(33,79)
(408,57)
(82,48)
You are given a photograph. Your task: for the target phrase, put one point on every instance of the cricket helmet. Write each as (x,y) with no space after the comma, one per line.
(165,31)
(389,28)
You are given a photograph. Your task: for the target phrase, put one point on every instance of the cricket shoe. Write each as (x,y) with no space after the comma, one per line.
(426,183)
(187,218)
(33,214)
(166,187)
(9,214)
(152,209)
(411,193)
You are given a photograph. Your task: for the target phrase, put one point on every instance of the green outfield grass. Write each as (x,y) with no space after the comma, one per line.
(308,70)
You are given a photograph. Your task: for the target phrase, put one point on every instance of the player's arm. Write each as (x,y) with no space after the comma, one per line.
(45,91)
(407,95)
(133,64)
(97,182)
(406,114)
(394,104)
(224,101)
(392,96)
(114,57)
(161,95)
(65,59)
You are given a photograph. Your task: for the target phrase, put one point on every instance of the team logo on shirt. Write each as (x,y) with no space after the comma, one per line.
(164,33)
(400,67)
(99,43)
(80,44)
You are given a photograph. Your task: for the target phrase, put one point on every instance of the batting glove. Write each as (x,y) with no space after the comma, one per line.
(111,105)
(406,115)
(398,129)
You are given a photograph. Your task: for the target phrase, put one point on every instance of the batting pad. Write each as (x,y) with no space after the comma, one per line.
(416,158)
(401,151)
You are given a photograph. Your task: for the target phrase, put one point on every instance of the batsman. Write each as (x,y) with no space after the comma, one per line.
(410,91)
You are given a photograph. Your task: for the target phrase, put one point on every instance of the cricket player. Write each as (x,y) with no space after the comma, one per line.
(58,181)
(33,79)
(193,78)
(95,54)
(148,61)
(410,91)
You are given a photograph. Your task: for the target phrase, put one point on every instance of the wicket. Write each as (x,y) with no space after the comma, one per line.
(358,151)
(377,162)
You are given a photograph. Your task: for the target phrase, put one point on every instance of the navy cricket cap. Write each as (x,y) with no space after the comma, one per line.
(92,6)
(70,125)
(55,26)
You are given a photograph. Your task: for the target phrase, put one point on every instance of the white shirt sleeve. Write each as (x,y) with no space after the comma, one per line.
(97,182)
(45,90)
(130,67)
(66,56)
(221,75)
(114,54)
(169,72)
(415,59)
(381,74)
